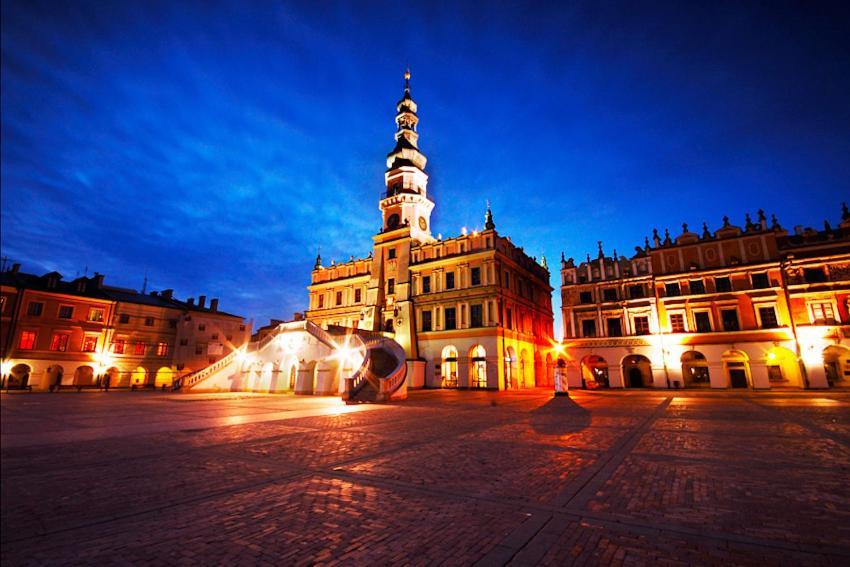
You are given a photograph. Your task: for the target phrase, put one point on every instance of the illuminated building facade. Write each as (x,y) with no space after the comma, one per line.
(79,333)
(473,311)
(752,307)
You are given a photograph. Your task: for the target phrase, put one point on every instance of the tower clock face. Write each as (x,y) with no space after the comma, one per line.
(423,224)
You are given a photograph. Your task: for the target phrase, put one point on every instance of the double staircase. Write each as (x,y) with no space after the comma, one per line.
(380,377)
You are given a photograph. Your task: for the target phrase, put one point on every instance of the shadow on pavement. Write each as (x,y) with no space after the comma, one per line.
(560,416)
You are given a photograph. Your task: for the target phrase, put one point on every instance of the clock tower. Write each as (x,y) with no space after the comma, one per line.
(406,202)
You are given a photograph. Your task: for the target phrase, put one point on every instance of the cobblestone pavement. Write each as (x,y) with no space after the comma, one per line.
(452,478)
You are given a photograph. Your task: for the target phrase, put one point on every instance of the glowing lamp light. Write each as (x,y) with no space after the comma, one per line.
(771,356)
(6,366)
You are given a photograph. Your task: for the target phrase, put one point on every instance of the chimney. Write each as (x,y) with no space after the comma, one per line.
(214,304)
(201,301)
(167,293)
(16,268)
(98,281)
(191,301)
(81,285)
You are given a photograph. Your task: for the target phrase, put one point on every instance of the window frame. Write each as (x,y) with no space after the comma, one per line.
(95,340)
(759,319)
(725,308)
(57,344)
(693,318)
(446,311)
(32,343)
(31,304)
(92,311)
(65,306)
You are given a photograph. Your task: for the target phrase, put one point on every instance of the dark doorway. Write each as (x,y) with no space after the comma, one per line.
(635,378)
(738,377)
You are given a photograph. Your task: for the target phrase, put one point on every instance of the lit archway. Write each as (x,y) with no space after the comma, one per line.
(19,376)
(84,376)
(164,377)
(783,369)
(477,367)
(511,378)
(594,372)
(637,371)
(695,371)
(526,369)
(836,363)
(114,376)
(138,377)
(448,369)
(55,375)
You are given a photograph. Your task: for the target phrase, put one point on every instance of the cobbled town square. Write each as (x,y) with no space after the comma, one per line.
(233,331)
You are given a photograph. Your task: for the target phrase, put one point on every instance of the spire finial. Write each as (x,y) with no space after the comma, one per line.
(599,244)
(407,79)
(488,218)
(318,258)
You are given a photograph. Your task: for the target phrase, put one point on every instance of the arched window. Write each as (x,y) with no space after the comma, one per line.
(448,369)
(477,367)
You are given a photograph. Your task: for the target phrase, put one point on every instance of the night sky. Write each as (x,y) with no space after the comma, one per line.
(215,146)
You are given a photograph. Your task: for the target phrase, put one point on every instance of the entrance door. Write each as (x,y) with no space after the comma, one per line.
(738,377)
(635,378)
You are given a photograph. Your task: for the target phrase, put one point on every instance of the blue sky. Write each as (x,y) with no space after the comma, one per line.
(214,146)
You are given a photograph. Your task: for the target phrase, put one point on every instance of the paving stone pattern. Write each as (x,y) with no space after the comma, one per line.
(449,478)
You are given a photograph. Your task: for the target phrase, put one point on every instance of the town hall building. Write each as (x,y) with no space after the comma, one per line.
(473,311)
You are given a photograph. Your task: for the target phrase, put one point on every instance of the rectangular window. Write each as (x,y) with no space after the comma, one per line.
(475,276)
(90,343)
(760,281)
(476,315)
(814,275)
(451,318)
(184,342)
(426,284)
(214,336)
(358,295)
(140,349)
(641,325)
(390,286)
(426,321)
(202,327)
(391,253)
(59,342)
(822,312)
(768,317)
(507,279)
(615,327)
(27,341)
(200,348)
(722,284)
(609,294)
(730,319)
(118,346)
(123,318)
(509,319)
(96,315)
(672,289)
(635,291)
(677,323)
(66,312)
(697,287)
(450,280)
(35,308)
(585,297)
(172,323)
(162,349)
(339,298)
(321,301)
(702,321)
(148,321)
(588,328)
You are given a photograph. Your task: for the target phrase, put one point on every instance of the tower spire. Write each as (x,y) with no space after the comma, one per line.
(488,218)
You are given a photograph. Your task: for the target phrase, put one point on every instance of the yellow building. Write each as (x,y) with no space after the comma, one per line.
(750,307)
(473,311)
